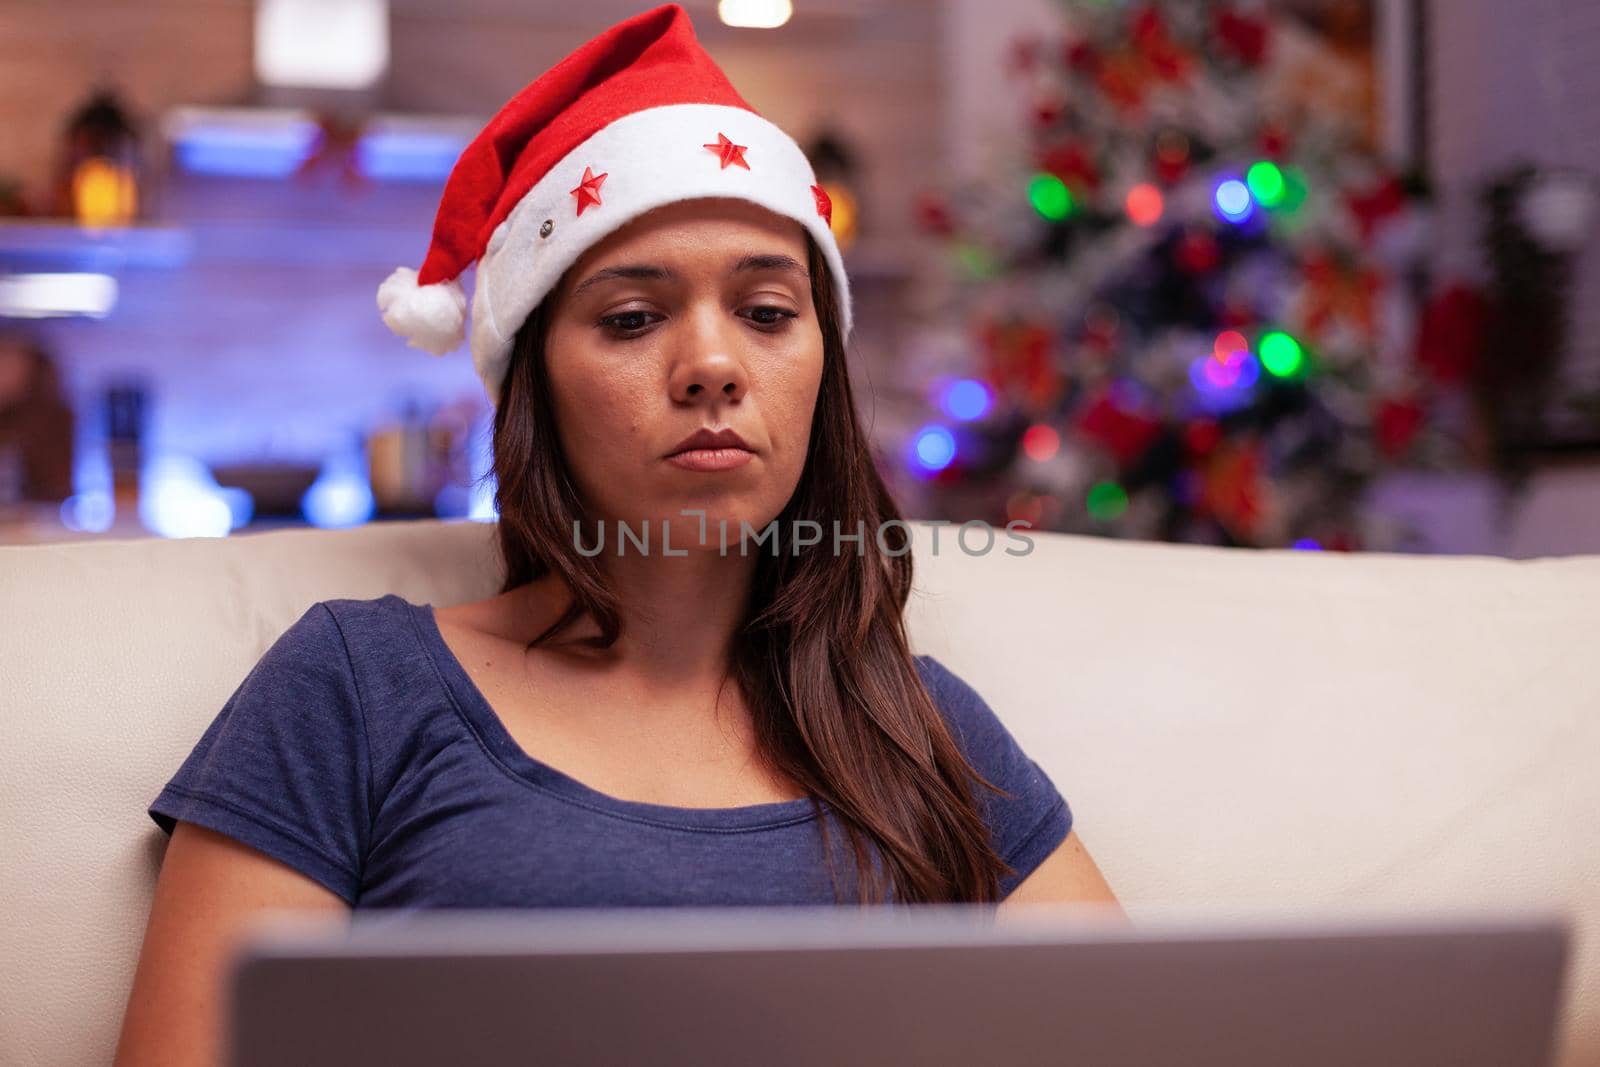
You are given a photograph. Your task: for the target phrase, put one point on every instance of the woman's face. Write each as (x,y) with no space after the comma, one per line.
(697,314)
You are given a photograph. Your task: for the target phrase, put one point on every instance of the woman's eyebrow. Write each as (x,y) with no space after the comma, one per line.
(651,272)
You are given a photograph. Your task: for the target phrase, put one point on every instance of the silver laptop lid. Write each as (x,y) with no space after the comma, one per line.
(935,985)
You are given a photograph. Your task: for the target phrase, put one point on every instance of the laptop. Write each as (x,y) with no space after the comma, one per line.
(934,985)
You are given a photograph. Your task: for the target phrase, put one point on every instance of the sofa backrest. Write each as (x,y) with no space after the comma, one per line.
(1233,729)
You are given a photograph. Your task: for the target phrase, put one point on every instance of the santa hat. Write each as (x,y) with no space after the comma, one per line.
(638,117)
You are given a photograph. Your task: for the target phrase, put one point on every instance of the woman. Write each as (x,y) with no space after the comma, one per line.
(665,722)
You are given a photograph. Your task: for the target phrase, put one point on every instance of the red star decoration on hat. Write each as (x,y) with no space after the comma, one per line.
(588,190)
(730,152)
(824,204)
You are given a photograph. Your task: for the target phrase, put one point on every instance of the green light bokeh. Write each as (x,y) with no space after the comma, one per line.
(1266,183)
(975,261)
(1294,190)
(1107,500)
(1281,354)
(1050,197)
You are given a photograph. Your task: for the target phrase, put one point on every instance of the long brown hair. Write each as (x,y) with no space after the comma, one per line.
(822,658)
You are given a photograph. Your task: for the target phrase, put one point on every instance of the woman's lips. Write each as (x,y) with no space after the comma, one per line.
(710,459)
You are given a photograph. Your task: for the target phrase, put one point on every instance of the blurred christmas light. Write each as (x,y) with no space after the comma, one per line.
(44,296)
(1266,183)
(104,194)
(1308,544)
(1050,196)
(932,448)
(1294,191)
(1236,370)
(1224,380)
(253,143)
(966,398)
(1107,500)
(341,495)
(1281,354)
(321,44)
(88,512)
(754,14)
(1233,200)
(405,148)
(178,497)
(1145,204)
(1230,341)
(1040,442)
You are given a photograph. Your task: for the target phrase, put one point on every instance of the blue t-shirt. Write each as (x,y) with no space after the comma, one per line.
(359,752)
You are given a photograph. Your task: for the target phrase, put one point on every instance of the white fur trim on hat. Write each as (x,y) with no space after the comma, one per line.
(430,317)
(650,158)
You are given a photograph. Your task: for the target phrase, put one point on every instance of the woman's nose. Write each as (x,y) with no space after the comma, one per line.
(707,363)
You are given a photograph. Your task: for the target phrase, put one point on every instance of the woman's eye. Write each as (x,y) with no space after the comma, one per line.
(626,322)
(783,315)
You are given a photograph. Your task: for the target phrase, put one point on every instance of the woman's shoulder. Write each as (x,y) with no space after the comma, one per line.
(1031,817)
(959,701)
(339,642)
(981,732)
(366,626)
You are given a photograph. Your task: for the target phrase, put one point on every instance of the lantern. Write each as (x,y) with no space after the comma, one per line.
(98,182)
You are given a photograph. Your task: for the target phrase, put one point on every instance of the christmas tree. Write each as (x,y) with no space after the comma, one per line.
(1180,309)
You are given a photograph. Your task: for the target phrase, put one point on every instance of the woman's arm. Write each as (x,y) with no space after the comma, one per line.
(209,887)
(1067,875)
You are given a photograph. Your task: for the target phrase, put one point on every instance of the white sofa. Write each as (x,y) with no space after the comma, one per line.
(1232,728)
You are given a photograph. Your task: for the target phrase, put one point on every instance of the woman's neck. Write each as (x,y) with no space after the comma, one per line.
(679,615)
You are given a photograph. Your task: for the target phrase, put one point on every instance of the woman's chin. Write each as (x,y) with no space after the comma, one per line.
(695,525)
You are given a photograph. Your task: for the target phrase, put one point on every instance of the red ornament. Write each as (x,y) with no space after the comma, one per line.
(1237,314)
(1234,490)
(824,203)
(933,214)
(1018,361)
(1160,54)
(730,152)
(1122,79)
(1241,36)
(588,190)
(1047,111)
(1148,27)
(1395,423)
(1201,436)
(1197,252)
(1336,290)
(1081,56)
(1371,206)
(1125,434)
(1274,141)
(1450,336)
(1169,62)
(1070,162)
(1171,156)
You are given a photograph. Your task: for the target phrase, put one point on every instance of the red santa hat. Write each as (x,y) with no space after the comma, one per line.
(638,117)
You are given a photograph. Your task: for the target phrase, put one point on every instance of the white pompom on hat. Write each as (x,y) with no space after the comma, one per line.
(430,317)
(634,119)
